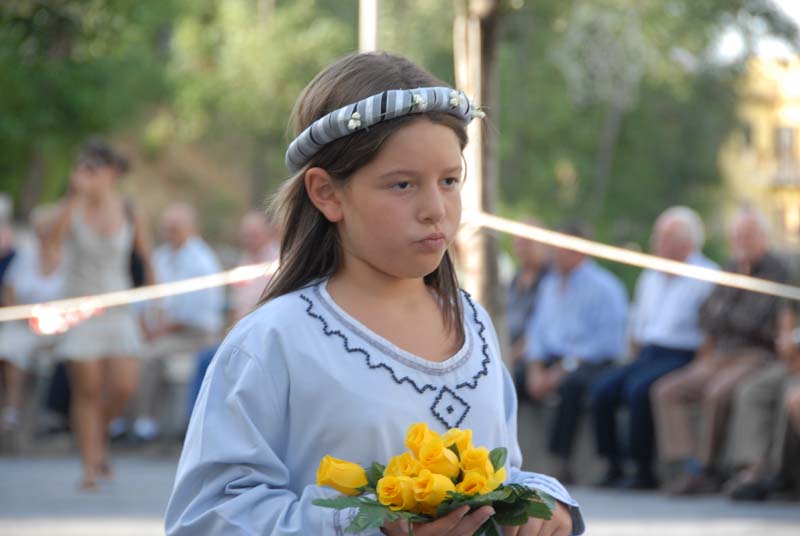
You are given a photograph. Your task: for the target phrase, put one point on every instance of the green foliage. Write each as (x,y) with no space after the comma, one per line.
(68,69)
(374,473)
(225,73)
(514,505)
(371,514)
(498,457)
(421,30)
(237,67)
(668,143)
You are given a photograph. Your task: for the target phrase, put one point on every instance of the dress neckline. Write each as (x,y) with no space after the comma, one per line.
(387,347)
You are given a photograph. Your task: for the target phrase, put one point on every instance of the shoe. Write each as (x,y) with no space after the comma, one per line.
(117,430)
(611,479)
(9,419)
(145,429)
(563,474)
(750,491)
(691,484)
(639,483)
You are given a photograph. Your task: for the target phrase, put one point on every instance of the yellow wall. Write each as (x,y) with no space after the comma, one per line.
(769,98)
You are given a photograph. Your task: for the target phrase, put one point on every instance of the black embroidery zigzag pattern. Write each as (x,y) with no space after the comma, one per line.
(367,358)
(484,347)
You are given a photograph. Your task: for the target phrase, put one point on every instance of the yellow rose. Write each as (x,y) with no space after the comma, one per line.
(434,456)
(345,477)
(477,459)
(472,483)
(430,490)
(417,434)
(496,479)
(403,465)
(462,439)
(476,482)
(397,492)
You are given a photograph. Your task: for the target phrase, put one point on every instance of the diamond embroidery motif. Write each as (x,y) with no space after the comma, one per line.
(449,408)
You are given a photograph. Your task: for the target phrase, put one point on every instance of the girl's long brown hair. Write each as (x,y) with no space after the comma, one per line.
(310,246)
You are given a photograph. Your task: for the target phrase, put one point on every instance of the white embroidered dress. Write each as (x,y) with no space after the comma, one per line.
(299,378)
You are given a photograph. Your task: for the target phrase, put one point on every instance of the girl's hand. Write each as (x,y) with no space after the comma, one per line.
(559,525)
(456,523)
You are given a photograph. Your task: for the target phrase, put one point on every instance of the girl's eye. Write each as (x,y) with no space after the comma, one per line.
(451,181)
(404,185)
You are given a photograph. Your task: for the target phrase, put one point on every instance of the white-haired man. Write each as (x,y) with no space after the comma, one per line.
(181,324)
(665,336)
(740,328)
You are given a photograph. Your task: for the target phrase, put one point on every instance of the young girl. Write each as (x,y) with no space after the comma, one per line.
(363,331)
(100,234)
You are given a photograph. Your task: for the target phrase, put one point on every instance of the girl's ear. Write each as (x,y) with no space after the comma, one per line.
(323,193)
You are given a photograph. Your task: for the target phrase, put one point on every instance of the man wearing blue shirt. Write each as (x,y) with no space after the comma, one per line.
(665,334)
(578,331)
(180,325)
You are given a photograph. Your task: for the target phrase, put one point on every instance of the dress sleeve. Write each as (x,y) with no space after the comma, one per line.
(537,481)
(231,477)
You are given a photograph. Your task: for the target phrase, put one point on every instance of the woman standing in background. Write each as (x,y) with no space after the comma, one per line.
(100,233)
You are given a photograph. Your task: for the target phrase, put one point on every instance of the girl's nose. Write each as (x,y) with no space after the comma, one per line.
(432,205)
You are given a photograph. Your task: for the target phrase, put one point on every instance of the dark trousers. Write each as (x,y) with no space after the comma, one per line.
(572,393)
(629,386)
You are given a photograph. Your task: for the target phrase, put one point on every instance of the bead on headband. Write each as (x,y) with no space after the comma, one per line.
(374,109)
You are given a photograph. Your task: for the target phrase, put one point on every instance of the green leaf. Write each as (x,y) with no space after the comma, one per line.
(369,517)
(340,502)
(542,508)
(509,514)
(374,473)
(456,500)
(498,457)
(370,513)
(488,529)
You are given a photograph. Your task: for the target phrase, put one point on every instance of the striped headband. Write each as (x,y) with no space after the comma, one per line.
(371,110)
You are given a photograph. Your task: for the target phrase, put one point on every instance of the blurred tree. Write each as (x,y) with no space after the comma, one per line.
(654,110)
(238,65)
(70,68)
(224,73)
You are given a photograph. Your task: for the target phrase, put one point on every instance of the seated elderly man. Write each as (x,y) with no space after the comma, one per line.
(760,420)
(789,455)
(181,324)
(577,333)
(665,336)
(533,259)
(740,327)
(259,240)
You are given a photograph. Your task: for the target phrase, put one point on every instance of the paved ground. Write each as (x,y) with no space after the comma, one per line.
(39,497)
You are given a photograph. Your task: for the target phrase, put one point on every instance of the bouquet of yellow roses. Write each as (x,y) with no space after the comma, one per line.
(438,474)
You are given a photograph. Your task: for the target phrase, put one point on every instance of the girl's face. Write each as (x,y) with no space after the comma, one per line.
(400,212)
(92,179)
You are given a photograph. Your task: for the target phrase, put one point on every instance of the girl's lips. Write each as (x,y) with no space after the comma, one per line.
(434,236)
(433,242)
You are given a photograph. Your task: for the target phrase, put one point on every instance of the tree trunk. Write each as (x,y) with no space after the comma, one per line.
(605,156)
(476,35)
(32,187)
(259,173)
